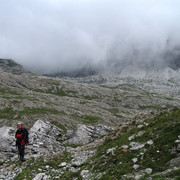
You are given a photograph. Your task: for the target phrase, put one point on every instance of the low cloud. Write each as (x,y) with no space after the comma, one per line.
(63,35)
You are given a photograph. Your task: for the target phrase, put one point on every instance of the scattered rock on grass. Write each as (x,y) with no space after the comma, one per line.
(148,171)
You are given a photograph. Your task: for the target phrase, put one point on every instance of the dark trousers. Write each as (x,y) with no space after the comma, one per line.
(21,150)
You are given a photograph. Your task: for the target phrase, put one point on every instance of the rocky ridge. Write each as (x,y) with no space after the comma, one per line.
(10,66)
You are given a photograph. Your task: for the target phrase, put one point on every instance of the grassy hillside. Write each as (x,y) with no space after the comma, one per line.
(156,140)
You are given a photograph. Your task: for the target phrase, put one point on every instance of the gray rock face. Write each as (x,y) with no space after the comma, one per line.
(174,162)
(39,176)
(135,146)
(148,171)
(11,66)
(81,157)
(7,142)
(86,134)
(163,81)
(7,135)
(85,174)
(44,137)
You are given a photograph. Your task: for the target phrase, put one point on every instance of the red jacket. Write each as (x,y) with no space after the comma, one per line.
(20,137)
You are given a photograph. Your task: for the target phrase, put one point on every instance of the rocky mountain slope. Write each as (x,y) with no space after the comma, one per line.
(145,149)
(165,81)
(66,103)
(79,112)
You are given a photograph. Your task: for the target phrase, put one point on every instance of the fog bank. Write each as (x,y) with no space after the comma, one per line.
(51,36)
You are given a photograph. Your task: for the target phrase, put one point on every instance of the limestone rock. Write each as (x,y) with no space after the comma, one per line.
(140,126)
(174,162)
(131,137)
(111,150)
(63,164)
(85,174)
(138,176)
(150,142)
(86,134)
(7,142)
(39,176)
(134,160)
(81,157)
(7,139)
(148,171)
(177,141)
(11,66)
(136,146)
(136,166)
(44,138)
(124,146)
(178,148)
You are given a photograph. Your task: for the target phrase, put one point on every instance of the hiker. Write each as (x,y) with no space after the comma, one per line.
(21,140)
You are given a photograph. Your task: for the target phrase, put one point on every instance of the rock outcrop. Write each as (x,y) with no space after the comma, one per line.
(7,143)
(86,134)
(11,66)
(44,138)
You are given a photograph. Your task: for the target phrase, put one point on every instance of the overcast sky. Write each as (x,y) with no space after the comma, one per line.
(56,35)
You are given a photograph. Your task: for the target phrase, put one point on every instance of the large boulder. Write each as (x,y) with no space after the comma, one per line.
(85,134)
(45,138)
(7,142)
(7,139)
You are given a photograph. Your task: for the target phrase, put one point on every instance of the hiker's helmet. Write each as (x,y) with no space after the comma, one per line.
(19,124)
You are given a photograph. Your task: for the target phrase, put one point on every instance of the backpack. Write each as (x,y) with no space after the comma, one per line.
(26,136)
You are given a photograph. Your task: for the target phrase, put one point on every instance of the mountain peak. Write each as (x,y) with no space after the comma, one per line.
(8,65)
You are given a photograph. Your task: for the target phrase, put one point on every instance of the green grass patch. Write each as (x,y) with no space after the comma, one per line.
(91,119)
(34,165)
(61,92)
(7,113)
(163,130)
(83,102)
(168,98)
(8,91)
(115,112)
(71,175)
(39,90)
(174,174)
(15,102)
(31,111)
(72,92)
(59,125)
